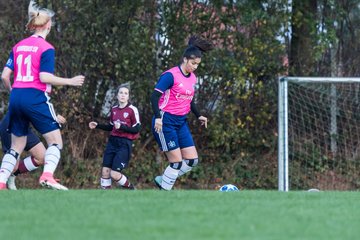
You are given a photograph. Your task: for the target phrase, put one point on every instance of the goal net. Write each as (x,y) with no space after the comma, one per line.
(319,133)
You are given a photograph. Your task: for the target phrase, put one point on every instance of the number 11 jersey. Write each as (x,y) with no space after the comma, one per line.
(28,59)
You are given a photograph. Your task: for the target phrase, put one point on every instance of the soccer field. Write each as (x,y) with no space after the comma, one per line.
(152,214)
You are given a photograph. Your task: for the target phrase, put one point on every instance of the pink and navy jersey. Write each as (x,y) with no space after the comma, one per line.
(177,91)
(128,116)
(28,59)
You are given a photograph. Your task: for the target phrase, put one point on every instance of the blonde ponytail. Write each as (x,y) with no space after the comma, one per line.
(38,17)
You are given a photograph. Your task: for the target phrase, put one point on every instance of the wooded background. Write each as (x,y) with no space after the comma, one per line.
(117,41)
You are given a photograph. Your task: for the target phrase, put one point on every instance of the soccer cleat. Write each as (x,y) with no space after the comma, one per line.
(47,180)
(11,182)
(3,186)
(130,187)
(157,181)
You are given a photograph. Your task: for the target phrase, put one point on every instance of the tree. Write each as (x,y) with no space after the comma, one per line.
(303,38)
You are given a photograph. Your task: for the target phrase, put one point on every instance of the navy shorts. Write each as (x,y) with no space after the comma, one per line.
(31,141)
(117,153)
(175,132)
(29,105)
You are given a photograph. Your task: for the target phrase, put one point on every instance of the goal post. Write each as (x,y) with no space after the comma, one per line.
(318,133)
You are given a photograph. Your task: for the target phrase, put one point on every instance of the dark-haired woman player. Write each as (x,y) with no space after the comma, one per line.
(125,127)
(172,99)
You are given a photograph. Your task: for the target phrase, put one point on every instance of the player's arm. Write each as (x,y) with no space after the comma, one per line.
(59,81)
(8,70)
(47,68)
(133,129)
(154,99)
(135,122)
(5,76)
(105,127)
(195,110)
(165,82)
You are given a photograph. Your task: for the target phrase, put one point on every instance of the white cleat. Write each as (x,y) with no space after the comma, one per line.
(11,183)
(157,181)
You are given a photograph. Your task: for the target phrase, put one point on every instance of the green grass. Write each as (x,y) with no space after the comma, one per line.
(186,215)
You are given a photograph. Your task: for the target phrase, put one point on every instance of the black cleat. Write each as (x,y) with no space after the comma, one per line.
(130,187)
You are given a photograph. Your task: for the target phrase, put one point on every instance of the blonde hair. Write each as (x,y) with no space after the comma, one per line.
(38,17)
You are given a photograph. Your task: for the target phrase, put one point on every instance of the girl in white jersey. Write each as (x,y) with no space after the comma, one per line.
(32,60)
(172,99)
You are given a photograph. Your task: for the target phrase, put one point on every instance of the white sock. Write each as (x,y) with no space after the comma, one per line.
(123,181)
(7,167)
(187,165)
(105,183)
(184,168)
(52,158)
(169,177)
(28,162)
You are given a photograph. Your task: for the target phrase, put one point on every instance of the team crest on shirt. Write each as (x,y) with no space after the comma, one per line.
(126,114)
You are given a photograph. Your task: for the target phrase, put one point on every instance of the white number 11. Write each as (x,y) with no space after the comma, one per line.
(20,64)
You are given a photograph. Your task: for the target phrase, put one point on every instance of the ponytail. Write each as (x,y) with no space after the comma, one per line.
(38,17)
(203,44)
(196,47)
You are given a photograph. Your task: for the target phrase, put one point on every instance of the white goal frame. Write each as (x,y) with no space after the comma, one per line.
(283,151)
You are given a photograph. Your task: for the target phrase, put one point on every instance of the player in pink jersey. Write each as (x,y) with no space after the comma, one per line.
(172,99)
(32,61)
(125,127)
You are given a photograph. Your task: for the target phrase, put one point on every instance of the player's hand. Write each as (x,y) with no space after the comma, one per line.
(77,81)
(61,119)
(203,121)
(158,125)
(92,125)
(117,124)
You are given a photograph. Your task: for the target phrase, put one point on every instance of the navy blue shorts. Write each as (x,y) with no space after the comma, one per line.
(175,132)
(32,138)
(117,153)
(29,105)
(31,141)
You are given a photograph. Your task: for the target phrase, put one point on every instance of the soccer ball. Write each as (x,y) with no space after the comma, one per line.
(228,188)
(313,190)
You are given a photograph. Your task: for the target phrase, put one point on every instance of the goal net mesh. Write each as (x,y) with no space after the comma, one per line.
(324,135)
